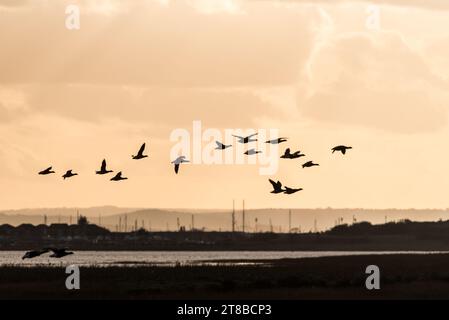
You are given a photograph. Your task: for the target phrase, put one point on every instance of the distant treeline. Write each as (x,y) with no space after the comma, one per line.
(402,235)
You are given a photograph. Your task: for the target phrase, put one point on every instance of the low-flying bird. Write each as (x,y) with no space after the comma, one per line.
(295,155)
(103,169)
(246,139)
(221,146)
(177,162)
(276,141)
(46,171)
(342,149)
(309,164)
(118,177)
(140,154)
(277,186)
(34,253)
(69,174)
(291,190)
(59,253)
(251,152)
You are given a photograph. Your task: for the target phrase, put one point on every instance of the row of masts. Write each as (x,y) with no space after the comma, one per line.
(122,225)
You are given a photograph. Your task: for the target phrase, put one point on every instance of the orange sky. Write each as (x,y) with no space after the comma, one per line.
(322,74)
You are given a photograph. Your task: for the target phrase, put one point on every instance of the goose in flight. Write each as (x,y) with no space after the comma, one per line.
(103,169)
(277,186)
(342,149)
(118,177)
(309,164)
(295,155)
(34,253)
(140,154)
(59,253)
(291,190)
(69,174)
(46,171)
(221,146)
(251,152)
(246,139)
(178,161)
(276,141)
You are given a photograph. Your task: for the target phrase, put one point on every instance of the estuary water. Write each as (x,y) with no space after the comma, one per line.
(162,258)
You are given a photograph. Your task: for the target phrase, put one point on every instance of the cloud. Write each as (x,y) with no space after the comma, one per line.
(168,106)
(154,46)
(374,80)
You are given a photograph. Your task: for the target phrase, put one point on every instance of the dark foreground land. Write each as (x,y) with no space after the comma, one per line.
(402,277)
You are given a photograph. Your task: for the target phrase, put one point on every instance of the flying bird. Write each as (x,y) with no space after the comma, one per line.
(309,164)
(291,190)
(140,154)
(295,155)
(246,139)
(46,171)
(276,141)
(178,161)
(251,152)
(34,253)
(103,169)
(221,146)
(118,177)
(59,253)
(69,174)
(342,149)
(277,186)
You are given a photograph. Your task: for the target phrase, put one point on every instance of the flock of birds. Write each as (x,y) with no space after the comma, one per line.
(277,185)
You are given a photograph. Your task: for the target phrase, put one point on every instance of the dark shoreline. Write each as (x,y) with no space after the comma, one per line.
(403,276)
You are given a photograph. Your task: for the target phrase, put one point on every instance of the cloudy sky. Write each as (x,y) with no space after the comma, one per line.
(373,75)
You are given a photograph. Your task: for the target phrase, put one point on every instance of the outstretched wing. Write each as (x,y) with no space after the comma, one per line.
(274,184)
(254,134)
(287,152)
(142,148)
(103,165)
(343,150)
(219,144)
(238,137)
(176,168)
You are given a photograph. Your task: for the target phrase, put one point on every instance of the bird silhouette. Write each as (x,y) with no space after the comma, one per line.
(276,141)
(103,169)
(118,177)
(342,149)
(295,155)
(291,190)
(277,186)
(177,162)
(221,146)
(140,154)
(59,253)
(246,139)
(46,171)
(69,174)
(309,164)
(251,152)
(34,253)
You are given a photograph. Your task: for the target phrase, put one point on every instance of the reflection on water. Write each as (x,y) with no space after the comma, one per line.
(161,258)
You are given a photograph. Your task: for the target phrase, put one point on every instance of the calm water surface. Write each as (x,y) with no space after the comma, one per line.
(134,258)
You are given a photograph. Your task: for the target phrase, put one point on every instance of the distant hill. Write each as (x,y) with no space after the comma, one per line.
(219,219)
